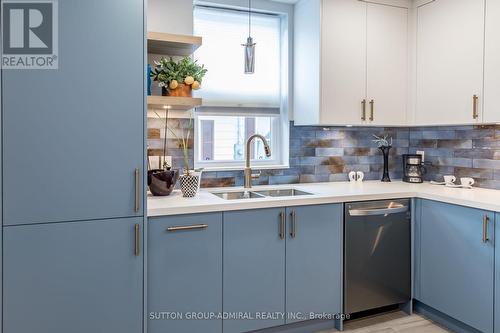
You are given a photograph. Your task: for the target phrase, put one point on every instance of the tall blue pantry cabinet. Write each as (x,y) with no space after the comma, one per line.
(73,166)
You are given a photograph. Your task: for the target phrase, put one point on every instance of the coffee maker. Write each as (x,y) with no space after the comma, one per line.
(413,168)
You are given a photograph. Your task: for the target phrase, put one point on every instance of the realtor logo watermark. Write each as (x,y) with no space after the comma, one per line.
(29,34)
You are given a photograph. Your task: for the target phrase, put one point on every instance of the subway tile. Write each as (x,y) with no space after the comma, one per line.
(329,151)
(303,134)
(338,177)
(439,152)
(403,134)
(423,143)
(322,143)
(155,144)
(415,135)
(474,173)
(217,182)
(332,134)
(373,175)
(314,178)
(370,159)
(481,153)
(490,164)
(298,152)
(451,161)
(487,143)
(455,144)
(210,174)
(276,180)
(328,169)
(269,172)
(228,174)
(492,184)
(313,160)
(436,134)
(154,133)
(477,134)
(359,151)
(356,167)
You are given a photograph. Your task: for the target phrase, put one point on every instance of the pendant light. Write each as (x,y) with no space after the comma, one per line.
(250,45)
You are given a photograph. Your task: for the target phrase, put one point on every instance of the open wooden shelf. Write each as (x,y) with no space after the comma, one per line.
(172,44)
(173,103)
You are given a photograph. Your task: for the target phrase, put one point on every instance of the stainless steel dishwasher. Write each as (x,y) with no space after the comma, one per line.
(377,254)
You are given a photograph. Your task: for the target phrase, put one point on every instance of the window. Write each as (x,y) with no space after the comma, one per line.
(237,105)
(223,138)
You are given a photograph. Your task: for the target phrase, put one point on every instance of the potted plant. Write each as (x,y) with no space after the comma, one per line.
(161,181)
(178,78)
(190,179)
(384,146)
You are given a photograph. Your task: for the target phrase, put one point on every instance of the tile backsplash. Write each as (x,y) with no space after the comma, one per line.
(463,151)
(322,154)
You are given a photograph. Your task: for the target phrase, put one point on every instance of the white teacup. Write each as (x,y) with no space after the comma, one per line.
(467,181)
(449,179)
(360,175)
(352,176)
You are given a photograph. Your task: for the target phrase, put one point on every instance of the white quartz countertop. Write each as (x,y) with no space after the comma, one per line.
(334,192)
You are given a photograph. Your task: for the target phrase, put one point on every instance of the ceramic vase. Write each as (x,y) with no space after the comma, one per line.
(190,184)
(385,151)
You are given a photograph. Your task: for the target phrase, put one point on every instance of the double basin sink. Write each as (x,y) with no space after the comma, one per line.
(286,192)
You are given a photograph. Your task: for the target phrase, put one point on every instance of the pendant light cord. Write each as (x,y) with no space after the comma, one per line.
(249,18)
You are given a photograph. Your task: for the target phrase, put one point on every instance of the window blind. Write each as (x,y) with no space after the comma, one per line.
(225,84)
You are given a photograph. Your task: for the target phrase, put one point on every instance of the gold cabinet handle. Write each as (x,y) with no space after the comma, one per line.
(282,225)
(187,227)
(293,223)
(475,114)
(372,110)
(137,175)
(486,219)
(137,240)
(363,108)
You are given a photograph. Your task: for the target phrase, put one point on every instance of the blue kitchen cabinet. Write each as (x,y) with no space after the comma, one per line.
(74,136)
(416,215)
(314,260)
(185,273)
(73,277)
(497,282)
(457,262)
(254,269)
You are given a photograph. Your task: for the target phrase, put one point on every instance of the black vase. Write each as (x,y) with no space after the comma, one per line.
(385,151)
(161,182)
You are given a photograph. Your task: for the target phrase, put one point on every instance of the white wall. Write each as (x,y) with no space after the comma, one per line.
(172,16)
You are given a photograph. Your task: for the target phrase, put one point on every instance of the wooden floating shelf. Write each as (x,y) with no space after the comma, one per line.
(173,103)
(172,44)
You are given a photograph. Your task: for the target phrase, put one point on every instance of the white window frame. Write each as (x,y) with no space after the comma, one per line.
(214,165)
(280,127)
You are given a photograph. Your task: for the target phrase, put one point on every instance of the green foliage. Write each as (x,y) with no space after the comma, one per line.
(167,70)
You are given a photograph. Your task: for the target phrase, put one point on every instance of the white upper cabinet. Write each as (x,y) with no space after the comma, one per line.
(361,55)
(491,113)
(307,62)
(343,62)
(387,64)
(449,75)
